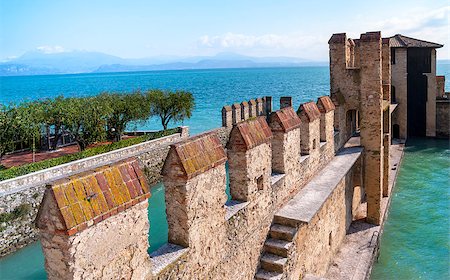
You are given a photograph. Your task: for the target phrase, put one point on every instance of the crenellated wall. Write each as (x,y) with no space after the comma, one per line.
(209,237)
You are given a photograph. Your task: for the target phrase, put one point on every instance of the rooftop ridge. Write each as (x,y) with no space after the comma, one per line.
(195,155)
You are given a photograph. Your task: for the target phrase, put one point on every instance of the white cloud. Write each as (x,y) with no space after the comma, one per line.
(51,49)
(233,40)
(429,26)
(266,44)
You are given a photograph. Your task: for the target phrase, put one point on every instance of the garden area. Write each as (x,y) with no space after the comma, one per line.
(94,124)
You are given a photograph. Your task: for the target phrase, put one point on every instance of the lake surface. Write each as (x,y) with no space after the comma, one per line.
(212,89)
(415,243)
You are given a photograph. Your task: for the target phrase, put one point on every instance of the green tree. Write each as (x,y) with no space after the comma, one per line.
(85,120)
(171,105)
(17,123)
(124,108)
(52,114)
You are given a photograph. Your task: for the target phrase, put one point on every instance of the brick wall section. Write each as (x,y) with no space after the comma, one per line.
(252,108)
(281,123)
(310,127)
(443,118)
(371,122)
(195,182)
(187,161)
(29,189)
(285,101)
(431,97)
(244,110)
(399,82)
(227,118)
(249,141)
(101,211)
(326,108)
(236,113)
(440,86)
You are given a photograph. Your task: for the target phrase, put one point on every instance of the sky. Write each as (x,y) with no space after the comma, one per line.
(138,29)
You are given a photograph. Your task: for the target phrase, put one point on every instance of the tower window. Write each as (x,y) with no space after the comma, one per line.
(392,56)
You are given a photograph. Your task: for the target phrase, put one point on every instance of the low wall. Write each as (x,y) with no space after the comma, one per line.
(20,197)
(443,118)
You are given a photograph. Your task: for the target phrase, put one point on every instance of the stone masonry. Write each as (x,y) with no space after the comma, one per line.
(94,225)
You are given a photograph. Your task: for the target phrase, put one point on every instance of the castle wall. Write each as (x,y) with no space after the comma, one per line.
(443,118)
(26,192)
(318,241)
(114,249)
(400,82)
(431,98)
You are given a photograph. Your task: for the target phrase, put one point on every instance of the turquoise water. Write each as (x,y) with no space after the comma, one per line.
(212,89)
(416,239)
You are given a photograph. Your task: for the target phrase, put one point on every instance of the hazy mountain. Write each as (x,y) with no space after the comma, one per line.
(41,63)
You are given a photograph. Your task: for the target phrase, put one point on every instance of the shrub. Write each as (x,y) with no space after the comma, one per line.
(36,166)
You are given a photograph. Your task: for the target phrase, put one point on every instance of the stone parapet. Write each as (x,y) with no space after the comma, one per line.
(83,215)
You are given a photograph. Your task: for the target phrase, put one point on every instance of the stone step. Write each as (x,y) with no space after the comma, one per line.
(268,275)
(277,246)
(286,221)
(313,277)
(278,231)
(271,262)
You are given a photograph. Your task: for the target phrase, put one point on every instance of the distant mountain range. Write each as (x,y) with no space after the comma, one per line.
(41,63)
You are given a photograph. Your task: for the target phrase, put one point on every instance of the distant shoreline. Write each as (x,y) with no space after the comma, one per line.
(167,70)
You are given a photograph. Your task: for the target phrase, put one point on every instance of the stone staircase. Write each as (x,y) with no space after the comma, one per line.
(276,248)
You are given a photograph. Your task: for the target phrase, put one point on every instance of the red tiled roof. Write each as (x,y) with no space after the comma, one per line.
(401,41)
(308,111)
(249,134)
(197,154)
(325,104)
(284,120)
(90,197)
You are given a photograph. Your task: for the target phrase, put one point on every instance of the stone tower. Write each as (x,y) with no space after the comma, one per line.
(358,75)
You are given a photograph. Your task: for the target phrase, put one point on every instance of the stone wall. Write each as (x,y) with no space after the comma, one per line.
(443,118)
(431,97)
(25,192)
(95,225)
(400,83)
(358,92)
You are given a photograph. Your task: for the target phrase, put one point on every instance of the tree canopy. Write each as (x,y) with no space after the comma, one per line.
(90,119)
(171,105)
(123,109)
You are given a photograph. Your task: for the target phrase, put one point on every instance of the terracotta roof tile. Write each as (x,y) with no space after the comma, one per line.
(249,134)
(284,120)
(308,112)
(325,104)
(196,155)
(93,196)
